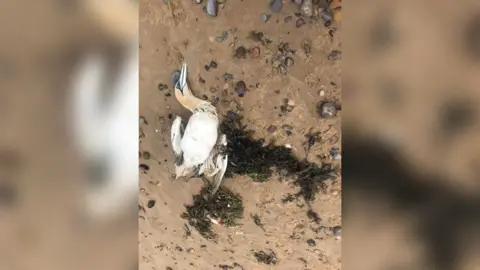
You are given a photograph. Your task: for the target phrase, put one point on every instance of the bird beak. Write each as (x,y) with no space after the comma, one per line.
(182,81)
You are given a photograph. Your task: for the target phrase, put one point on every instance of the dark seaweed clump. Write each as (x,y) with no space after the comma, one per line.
(247,156)
(225,206)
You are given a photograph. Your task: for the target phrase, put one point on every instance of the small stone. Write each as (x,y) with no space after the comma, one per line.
(311,242)
(298,2)
(190,250)
(169,268)
(144,167)
(327,110)
(179,249)
(162,86)
(289,62)
(207,67)
(211,8)
(241,52)
(276,5)
(307,8)
(306,46)
(271,129)
(198,1)
(213,64)
(300,22)
(151,203)
(282,69)
(291,102)
(146,155)
(232,115)
(288,129)
(227,76)
(325,14)
(337,231)
(335,55)
(240,88)
(255,52)
(321,93)
(264,17)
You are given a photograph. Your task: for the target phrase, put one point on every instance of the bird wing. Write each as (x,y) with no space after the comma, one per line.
(199,138)
(222,162)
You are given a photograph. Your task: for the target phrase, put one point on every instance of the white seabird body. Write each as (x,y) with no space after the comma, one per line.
(198,148)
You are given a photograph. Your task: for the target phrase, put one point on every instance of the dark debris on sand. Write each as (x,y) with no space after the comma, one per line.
(225,206)
(266,257)
(250,157)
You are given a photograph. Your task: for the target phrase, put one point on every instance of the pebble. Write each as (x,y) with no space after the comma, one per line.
(151,203)
(240,88)
(162,86)
(144,167)
(298,2)
(232,115)
(240,52)
(291,102)
(311,242)
(198,1)
(271,129)
(169,268)
(276,5)
(255,52)
(327,110)
(307,8)
(212,8)
(282,69)
(227,76)
(300,22)
(213,64)
(289,62)
(335,55)
(306,46)
(325,14)
(288,129)
(337,231)
(264,17)
(222,37)
(146,155)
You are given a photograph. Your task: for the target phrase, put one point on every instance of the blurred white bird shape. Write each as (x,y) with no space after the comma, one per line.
(106,133)
(197,147)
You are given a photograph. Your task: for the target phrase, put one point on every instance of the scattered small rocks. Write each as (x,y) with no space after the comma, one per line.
(240,88)
(276,5)
(311,242)
(266,257)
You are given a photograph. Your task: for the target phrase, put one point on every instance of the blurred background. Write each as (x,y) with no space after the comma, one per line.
(411,145)
(43,177)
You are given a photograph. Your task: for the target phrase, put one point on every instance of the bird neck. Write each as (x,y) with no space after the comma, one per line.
(191,102)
